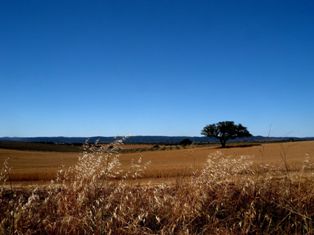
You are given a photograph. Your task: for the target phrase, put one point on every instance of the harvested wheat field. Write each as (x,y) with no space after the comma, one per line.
(41,167)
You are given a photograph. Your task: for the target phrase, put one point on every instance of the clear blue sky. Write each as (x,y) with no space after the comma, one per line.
(84,68)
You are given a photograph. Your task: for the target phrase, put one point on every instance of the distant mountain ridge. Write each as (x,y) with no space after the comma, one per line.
(146,139)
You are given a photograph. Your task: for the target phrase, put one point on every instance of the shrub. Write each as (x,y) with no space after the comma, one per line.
(186,142)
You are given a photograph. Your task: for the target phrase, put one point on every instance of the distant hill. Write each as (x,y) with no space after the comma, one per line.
(145,139)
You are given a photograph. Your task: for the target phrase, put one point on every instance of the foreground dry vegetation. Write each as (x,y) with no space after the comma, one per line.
(228,195)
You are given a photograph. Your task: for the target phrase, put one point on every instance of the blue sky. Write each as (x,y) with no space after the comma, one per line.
(84,68)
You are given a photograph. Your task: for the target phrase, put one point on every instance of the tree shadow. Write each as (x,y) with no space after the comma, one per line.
(238,146)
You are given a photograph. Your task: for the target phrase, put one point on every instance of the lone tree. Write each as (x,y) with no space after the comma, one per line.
(225,131)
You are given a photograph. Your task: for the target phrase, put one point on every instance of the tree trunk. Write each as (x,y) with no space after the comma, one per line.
(223,142)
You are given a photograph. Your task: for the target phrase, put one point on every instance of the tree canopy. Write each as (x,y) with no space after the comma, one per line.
(225,131)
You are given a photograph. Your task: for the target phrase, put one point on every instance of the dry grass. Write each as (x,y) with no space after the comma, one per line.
(227,195)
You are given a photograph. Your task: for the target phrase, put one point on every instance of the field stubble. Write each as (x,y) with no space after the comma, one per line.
(29,167)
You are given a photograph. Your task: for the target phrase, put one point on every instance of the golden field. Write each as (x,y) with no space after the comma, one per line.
(261,189)
(41,166)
